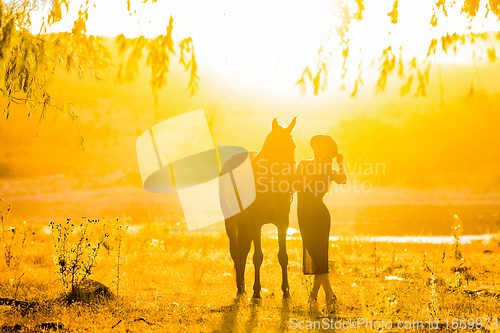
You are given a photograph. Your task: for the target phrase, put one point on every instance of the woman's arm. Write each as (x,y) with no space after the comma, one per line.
(340,176)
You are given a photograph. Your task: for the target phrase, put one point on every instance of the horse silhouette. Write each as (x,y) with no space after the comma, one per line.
(273,168)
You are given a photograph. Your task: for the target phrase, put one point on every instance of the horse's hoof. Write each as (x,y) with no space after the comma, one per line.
(256,296)
(256,301)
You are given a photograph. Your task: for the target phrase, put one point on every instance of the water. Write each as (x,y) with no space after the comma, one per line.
(293,233)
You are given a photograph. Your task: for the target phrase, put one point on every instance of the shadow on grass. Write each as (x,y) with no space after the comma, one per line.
(231,314)
(254,315)
(229,319)
(285,314)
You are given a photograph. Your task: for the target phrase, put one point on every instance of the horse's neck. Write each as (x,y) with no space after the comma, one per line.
(258,155)
(270,167)
(261,158)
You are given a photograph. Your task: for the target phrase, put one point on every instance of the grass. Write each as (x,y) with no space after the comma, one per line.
(180,283)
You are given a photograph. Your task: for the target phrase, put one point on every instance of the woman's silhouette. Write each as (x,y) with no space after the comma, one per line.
(315,177)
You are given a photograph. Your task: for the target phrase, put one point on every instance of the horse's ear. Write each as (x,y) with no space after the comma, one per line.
(292,125)
(275,124)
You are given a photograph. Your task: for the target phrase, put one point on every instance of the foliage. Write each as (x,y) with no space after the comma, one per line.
(29,61)
(419,144)
(119,259)
(434,306)
(12,239)
(457,232)
(350,13)
(115,231)
(75,261)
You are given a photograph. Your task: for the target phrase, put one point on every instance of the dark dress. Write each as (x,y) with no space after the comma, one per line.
(313,215)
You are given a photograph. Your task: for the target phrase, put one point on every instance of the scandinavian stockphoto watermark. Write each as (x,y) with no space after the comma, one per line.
(212,182)
(382,324)
(286,177)
(29,5)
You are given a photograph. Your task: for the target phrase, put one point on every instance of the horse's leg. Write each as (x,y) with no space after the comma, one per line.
(244,237)
(258,257)
(232,233)
(283,260)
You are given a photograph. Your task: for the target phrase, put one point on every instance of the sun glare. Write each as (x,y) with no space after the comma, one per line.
(413,31)
(268,44)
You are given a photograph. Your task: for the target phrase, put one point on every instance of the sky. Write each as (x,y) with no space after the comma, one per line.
(267,44)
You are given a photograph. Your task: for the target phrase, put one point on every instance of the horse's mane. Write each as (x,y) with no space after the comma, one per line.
(265,150)
(272,150)
(275,161)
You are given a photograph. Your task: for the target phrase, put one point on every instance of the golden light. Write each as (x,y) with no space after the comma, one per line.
(268,44)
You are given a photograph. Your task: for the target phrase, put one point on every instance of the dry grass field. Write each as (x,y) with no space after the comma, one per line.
(182,282)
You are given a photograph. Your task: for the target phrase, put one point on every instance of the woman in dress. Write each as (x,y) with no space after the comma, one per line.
(315,177)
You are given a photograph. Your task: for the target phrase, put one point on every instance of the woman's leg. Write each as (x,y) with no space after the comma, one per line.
(328,289)
(318,281)
(331,298)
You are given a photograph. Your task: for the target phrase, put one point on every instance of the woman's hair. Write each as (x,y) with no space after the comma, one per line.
(333,149)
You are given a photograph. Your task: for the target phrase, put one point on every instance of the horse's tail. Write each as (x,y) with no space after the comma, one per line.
(232,234)
(227,201)
(233,273)
(234,200)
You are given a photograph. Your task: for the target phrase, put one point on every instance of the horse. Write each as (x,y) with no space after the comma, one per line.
(273,164)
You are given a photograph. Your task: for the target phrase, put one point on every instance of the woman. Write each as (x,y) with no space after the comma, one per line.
(315,177)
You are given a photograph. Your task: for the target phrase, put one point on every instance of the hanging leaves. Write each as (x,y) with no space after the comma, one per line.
(441,3)
(470,93)
(491,55)
(423,82)
(452,40)
(361,8)
(470,7)
(128,72)
(421,86)
(401,70)
(158,50)
(394,14)
(359,81)
(413,63)
(388,62)
(434,20)
(187,59)
(494,6)
(28,62)
(320,79)
(346,18)
(306,75)
(55,15)
(406,88)
(432,47)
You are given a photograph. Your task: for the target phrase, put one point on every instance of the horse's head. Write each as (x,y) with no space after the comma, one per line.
(279,146)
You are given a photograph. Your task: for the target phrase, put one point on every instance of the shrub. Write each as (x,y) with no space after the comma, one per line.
(75,261)
(12,239)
